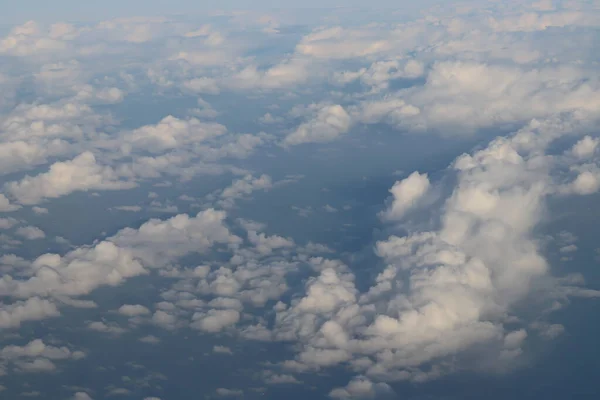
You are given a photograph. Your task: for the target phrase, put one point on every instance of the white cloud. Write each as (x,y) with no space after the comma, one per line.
(328,124)
(243,187)
(380,73)
(222,350)
(281,379)
(362,388)
(587,182)
(171,133)
(30,232)
(82,173)
(36,356)
(128,208)
(126,254)
(81,396)
(443,290)
(132,310)
(215,320)
(448,284)
(32,309)
(7,223)
(150,339)
(36,365)
(405,195)
(462,96)
(100,326)
(585,148)
(6,206)
(39,210)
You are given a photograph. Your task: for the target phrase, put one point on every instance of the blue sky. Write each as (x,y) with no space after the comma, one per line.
(73,10)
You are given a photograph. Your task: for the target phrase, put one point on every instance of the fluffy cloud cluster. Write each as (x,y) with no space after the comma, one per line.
(406,193)
(462,257)
(126,254)
(329,122)
(36,356)
(82,173)
(446,291)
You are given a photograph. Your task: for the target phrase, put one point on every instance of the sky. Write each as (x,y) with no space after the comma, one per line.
(72,10)
(387,202)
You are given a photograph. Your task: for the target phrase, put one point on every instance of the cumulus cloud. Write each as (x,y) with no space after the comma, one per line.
(215,320)
(81,396)
(132,310)
(32,309)
(362,388)
(30,232)
(585,147)
(222,350)
(6,206)
(171,133)
(450,283)
(243,187)
(7,223)
(39,210)
(443,291)
(124,255)
(223,392)
(37,357)
(328,124)
(460,97)
(405,195)
(82,173)
(100,326)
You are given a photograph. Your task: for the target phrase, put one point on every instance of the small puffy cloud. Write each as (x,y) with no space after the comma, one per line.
(379,75)
(170,133)
(587,182)
(266,244)
(243,187)
(81,396)
(100,326)
(405,195)
(164,319)
(222,350)
(328,124)
(29,39)
(286,73)
(214,320)
(150,339)
(514,339)
(118,392)
(30,233)
(362,388)
(202,85)
(342,43)
(132,310)
(32,309)
(37,348)
(7,223)
(126,254)
(127,208)
(37,365)
(281,379)
(6,206)
(585,148)
(82,173)
(39,210)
